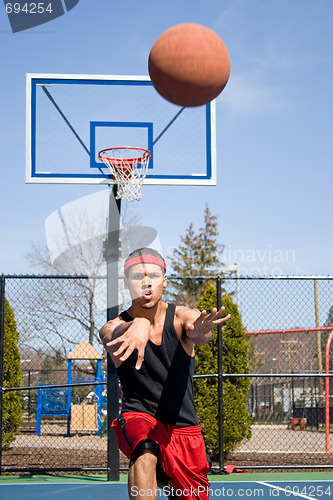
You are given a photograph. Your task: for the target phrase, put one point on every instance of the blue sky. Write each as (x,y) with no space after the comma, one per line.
(274,126)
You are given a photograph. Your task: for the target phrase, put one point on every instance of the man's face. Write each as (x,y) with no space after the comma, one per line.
(145,283)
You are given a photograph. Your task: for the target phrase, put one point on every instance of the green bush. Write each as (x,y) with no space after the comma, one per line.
(12,408)
(237,420)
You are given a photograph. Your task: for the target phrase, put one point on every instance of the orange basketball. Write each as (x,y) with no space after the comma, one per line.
(189,65)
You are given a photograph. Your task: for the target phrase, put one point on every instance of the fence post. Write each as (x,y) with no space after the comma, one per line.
(220,375)
(112,260)
(2,345)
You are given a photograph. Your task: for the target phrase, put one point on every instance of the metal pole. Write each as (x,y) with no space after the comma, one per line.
(238,286)
(319,354)
(112,260)
(220,376)
(29,397)
(327,393)
(292,397)
(2,345)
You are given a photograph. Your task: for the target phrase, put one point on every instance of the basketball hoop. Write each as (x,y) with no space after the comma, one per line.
(129,168)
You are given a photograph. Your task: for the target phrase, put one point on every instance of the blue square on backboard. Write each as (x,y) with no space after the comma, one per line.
(97,129)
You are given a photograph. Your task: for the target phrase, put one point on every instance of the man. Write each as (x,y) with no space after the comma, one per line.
(152,347)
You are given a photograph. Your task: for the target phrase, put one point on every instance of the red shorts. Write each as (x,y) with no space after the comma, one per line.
(182,452)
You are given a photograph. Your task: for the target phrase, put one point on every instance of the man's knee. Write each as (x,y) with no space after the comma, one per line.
(147,460)
(145,446)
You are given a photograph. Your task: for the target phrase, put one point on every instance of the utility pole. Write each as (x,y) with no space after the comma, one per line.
(319,352)
(291,387)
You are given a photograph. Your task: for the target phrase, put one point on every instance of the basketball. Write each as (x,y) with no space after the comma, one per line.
(189,65)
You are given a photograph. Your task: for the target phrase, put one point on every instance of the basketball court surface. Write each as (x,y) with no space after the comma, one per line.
(315,485)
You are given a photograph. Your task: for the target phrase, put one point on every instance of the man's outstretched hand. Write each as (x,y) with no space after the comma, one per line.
(200,329)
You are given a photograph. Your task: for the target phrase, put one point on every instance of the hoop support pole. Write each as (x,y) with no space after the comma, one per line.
(112,259)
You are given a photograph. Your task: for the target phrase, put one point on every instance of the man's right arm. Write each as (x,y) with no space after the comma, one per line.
(121,338)
(113,329)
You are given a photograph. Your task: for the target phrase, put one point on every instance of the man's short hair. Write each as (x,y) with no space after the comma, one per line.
(148,255)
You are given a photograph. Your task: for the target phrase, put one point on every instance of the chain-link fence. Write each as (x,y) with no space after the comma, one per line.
(64,399)
(288,321)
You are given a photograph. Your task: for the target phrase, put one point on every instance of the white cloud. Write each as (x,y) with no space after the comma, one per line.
(245,95)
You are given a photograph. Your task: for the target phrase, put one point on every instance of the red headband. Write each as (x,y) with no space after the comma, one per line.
(147,259)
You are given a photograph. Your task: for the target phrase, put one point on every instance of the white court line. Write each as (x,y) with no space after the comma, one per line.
(290,492)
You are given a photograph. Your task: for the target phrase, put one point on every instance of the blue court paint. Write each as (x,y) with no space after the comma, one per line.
(223,489)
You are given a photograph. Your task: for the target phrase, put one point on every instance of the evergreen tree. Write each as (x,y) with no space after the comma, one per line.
(237,420)
(12,409)
(197,255)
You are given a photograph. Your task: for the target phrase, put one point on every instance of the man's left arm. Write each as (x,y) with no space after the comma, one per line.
(198,325)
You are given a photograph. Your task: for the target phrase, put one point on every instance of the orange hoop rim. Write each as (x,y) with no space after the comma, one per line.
(146,154)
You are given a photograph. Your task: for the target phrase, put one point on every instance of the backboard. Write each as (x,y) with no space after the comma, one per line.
(70,118)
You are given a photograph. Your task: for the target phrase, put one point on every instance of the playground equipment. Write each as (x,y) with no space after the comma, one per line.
(54,402)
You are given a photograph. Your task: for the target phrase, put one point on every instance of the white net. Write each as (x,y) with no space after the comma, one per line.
(129,169)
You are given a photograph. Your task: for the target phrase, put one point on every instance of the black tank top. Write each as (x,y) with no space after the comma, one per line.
(163,387)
